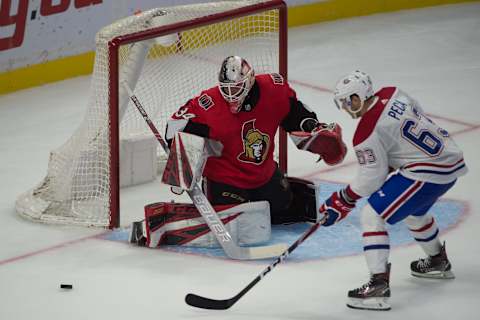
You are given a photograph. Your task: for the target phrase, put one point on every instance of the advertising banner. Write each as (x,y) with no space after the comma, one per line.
(37,31)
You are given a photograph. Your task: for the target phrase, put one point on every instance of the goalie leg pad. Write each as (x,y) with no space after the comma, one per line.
(182,224)
(305,204)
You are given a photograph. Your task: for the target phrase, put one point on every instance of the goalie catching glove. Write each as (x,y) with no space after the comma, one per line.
(324,140)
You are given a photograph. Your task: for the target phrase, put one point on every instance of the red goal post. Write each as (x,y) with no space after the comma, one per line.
(166,56)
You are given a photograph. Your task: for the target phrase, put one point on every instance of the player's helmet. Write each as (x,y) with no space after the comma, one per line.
(356,83)
(236,78)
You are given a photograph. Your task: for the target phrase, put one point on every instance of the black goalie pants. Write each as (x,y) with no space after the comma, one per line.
(277,191)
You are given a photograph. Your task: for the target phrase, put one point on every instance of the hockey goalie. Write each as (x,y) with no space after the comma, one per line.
(241,179)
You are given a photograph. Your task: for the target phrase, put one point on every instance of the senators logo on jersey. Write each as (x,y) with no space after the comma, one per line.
(255,144)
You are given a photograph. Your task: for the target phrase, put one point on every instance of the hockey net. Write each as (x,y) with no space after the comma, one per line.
(167,56)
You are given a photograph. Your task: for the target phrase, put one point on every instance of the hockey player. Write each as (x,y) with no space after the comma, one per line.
(406,162)
(244,112)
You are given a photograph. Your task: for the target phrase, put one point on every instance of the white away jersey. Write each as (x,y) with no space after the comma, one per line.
(396,134)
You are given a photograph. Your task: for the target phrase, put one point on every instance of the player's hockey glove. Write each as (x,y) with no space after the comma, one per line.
(324,140)
(336,208)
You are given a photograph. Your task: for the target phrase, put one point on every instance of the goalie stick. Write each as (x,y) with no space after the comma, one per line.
(200,201)
(213,304)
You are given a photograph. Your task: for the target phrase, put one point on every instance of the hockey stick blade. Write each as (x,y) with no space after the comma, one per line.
(206,303)
(212,304)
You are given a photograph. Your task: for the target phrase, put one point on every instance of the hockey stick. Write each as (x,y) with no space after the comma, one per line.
(207,303)
(207,211)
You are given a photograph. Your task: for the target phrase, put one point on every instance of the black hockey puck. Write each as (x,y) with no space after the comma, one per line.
(66,286)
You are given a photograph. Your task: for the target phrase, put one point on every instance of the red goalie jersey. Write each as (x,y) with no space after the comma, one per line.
(248,136)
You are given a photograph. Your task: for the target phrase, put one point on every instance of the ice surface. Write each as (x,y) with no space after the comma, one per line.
(431,53)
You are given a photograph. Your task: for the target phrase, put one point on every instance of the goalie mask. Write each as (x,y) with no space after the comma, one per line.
(236,78)
(357,83)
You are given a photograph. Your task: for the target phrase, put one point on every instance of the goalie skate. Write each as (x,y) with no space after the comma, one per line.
(137,234)
(435,267)
(373,295)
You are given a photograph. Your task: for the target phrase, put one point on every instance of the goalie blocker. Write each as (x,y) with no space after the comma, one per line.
(248,223)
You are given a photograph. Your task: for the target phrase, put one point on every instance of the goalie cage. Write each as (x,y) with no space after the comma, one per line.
(167,56)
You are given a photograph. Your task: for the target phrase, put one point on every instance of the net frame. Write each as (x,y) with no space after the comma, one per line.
(117,100)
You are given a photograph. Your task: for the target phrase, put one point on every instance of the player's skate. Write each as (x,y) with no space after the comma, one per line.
(373,295)
(136,234)
(437,267)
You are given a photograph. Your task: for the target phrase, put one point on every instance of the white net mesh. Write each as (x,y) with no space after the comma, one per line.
(164,72)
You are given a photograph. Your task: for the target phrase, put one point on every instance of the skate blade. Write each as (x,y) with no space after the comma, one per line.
(435,275)
(375,304)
